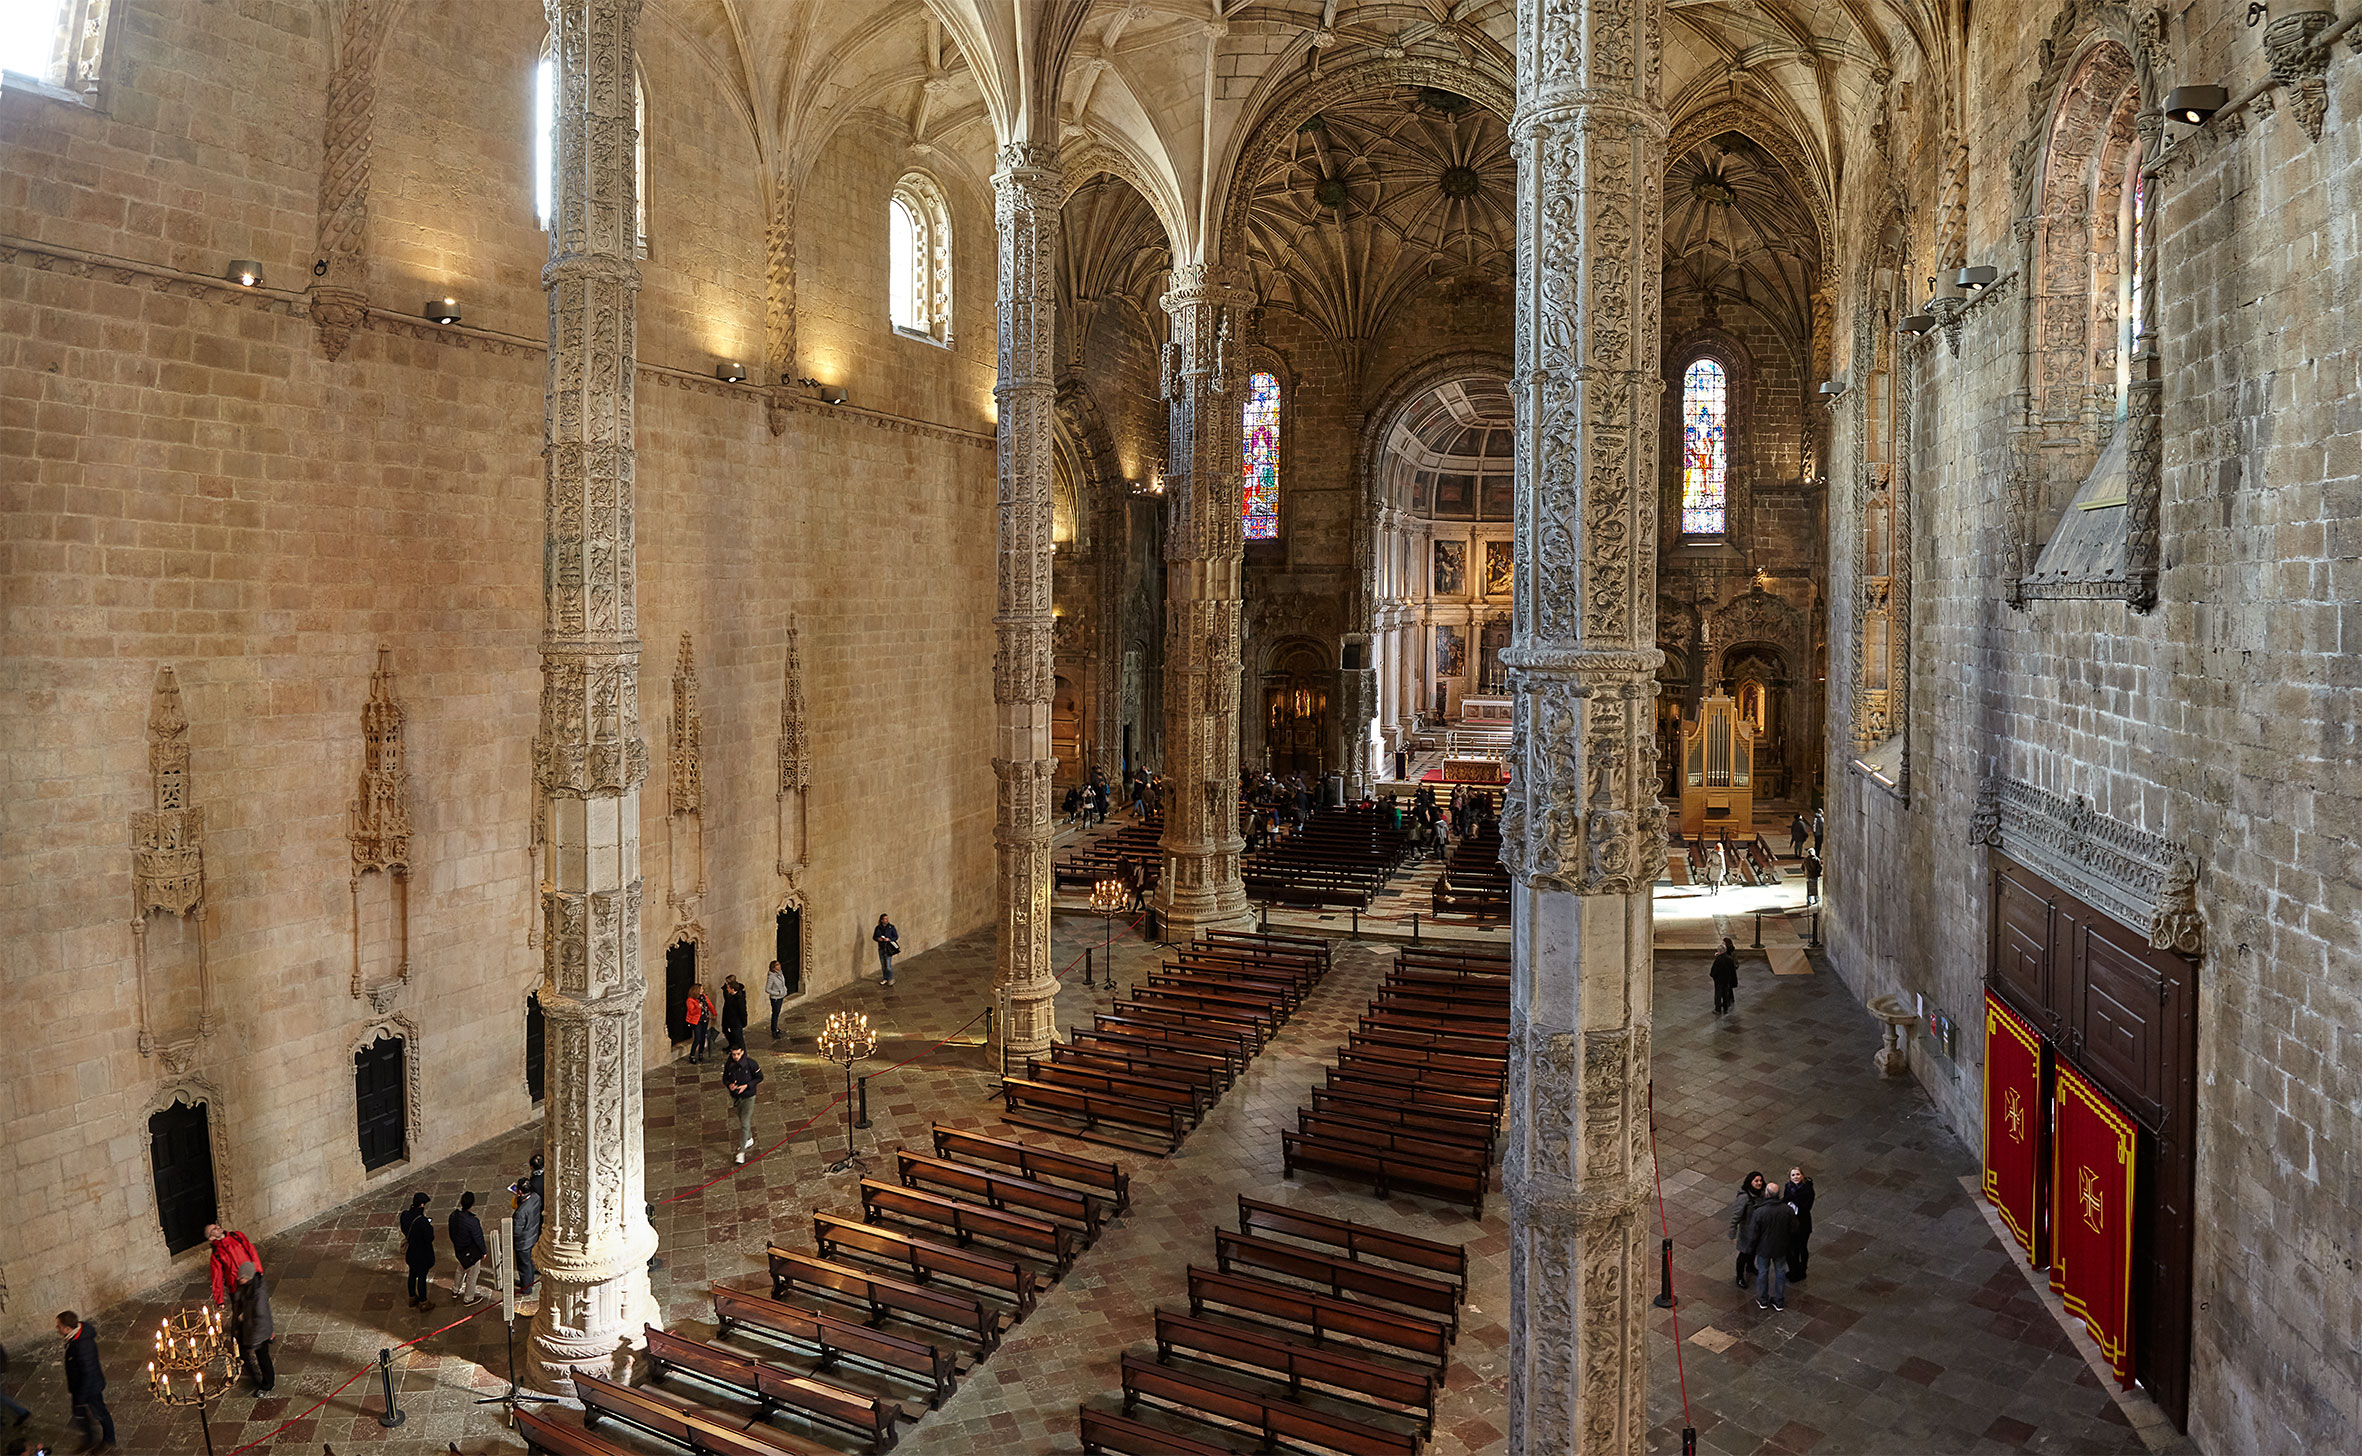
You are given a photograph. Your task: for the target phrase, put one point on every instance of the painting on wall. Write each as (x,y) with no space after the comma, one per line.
(1451,652)
(1451,568)
(1500,568)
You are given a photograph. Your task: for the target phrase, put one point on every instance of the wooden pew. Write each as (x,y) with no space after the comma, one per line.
(1220,1402)
(1386,1089)
(1181,1029)
(1317,945)
(1370,1065)
(867,1417)
(1229,981)
(1105,1433)
(1168,1123)
(547,1437)
(1445,1153)
(1220,1066)
(1002,1190)
(926,1261)
(1298,1365)
(1121,1086)
(964,1314)
(709,1433)
(1042,1165)
(1384,1171)
(1340,1276)
(1476,1131)
(1357,1240)
(833,1340)
(1139,1061)
(1325,1318)
(1257,1019)
(1053,1242)
(1442,1041)
(1472,1064)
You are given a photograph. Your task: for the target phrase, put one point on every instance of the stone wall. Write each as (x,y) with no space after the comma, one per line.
(2222,719)
(194,484)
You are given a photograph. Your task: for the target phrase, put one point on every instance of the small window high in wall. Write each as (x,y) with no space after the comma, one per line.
(1705,449)
(1259,489)
(545,147)
(918,259)
(55,45)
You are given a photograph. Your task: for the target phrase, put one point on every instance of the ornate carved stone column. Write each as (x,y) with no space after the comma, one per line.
(1026,195)
(1583,830)
(1204,549)
(588,758)
(338,299)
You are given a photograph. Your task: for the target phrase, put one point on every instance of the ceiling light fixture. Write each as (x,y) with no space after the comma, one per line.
(244,272)
(2195,105)
(442,310)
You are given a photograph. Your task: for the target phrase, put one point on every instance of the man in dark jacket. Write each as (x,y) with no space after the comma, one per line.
(1726,977)
(418,1249)
(1798,1191)
(740,1076)
(1771,1232)
(527,1227)
(734,1012)
(889,943)
(86,1383)
(1798,833)
(250,1321)
(467,1246)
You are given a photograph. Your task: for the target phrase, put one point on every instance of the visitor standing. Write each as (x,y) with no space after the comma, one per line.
(86,1382)
(18,1413)
(1770,1232)
(1752,1193)
(1726,977)
(467,1246)
(699,1015)
(1717,869)
(250,1321)
(418,1249)
(1820,827)
(229,1251)
(1798,1191)
(740,1076)
(526,1228)
(1812,877)
(889,943)
(733,1011)
(775,987)
(1798,833)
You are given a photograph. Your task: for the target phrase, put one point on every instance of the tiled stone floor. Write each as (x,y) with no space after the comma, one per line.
(1915,1333)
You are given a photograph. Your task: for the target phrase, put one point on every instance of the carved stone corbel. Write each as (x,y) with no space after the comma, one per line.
(2301,66)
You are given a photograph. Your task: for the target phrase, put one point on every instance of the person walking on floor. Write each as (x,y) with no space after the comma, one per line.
(86,1382)
(526,1227)
(250,1321)
(740,1077)
(1717,869)
(229,1251)
(1798,1192)
(1726,977)
(18,1412)
(467,1246)
(698,1012)
(889,943)
(733,1011)
(775,987)
(1752,1193)
(1812,877)
(418,1249)
(1771,1231)
(1820,827)
(1798,833)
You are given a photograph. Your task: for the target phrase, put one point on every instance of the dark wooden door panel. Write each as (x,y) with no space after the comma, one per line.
(2117,1018)
(2021,942)
(180,1142)
(379,1097)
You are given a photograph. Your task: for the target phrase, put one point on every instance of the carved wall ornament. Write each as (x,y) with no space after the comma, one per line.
(338,300)
(2300,65)
(2148,882)
(380,834)
(168,860)
(685,787)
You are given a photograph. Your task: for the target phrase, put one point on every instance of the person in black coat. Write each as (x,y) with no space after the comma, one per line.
(1726,977)
(1798,833)
(86,1382)
(1798,1191)
(467,1246)
(1812,877)
(734,1013)
(1771,1234)
(526,1229)
(250,1321)
(1752,1193)
(418,1249)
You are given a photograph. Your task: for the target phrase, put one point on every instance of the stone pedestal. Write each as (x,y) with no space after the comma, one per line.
(1894,1036)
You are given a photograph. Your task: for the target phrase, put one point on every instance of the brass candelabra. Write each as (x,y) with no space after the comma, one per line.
(189,1343)
(1108,898)
(847,1039)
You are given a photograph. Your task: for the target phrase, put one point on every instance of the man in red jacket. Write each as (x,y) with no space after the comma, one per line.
(229,1251)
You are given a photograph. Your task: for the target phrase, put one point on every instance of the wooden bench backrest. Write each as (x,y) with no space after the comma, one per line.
(1218,1064)
(997,1188)
(1106,1431)
(1341,1275)
(1358,1240)
(970,1219)
(1297,1362)
(1325,1315)
(830,1232)
(962,1312)
(737,1306)
(1120,1085)
(564,1438)
(1135,1062)
(1034,1162)
(1192,1391)
(1347,1103)
(1158,1024)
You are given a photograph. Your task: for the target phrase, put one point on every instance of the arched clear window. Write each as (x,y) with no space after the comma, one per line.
(545,147)
(55,44)
(1259,490)
(918,259)
(1705,449)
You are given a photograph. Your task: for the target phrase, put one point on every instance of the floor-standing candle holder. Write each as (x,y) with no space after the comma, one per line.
(189,1344)
(1108,898)
(846,1039)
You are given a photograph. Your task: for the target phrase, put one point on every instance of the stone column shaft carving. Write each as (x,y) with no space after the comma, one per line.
(779,303)
(589,760)
(1027,192)
(795,775)
(337,297)
(1583,833)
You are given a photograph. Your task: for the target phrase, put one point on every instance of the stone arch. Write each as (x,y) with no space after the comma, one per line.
(1390,400)
(1094,156)
(1778,139)
(1759,617)
(918,190)
(2087,139)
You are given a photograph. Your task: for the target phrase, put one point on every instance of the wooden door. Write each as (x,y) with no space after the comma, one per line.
(787,947)
(180,1144)
(380,1099)
(534,1040)
(680,973)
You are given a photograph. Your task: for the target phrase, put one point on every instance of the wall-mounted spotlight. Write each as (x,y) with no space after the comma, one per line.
(1918,323)
(1977,279)
(442,310)
(825,393)
(1831,388)
(2194,105)
(732,373)
(244,272)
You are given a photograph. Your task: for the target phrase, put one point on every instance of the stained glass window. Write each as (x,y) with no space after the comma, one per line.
(1259,493)
(1705,448)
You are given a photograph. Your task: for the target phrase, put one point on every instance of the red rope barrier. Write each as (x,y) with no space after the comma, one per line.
(333,1394)
(1665,1228)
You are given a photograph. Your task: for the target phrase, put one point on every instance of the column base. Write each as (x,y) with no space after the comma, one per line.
(1033,1023)
(1187,919)
(592,1327)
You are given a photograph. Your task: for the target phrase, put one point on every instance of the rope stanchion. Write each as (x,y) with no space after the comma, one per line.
(307,1411)
(1689,1430)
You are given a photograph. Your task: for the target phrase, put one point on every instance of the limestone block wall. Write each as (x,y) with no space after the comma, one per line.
(192,483)
(2222,719)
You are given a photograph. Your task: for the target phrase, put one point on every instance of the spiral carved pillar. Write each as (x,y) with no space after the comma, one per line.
(1583,833)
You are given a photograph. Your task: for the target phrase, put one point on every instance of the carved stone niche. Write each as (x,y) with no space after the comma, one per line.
(381,846)
(795,777)
(684,815)
(168,880)
(183,1086)
(2148,882)
(402,1029)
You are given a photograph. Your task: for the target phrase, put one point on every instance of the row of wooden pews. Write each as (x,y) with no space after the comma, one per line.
(1413,1103)
(1308,1331)
(877,1323)
(1149,1068)
(1341,857)
(1128,853)
(1473,880)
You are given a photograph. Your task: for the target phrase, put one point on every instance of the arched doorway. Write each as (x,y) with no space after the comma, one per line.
(1756,675)
(1066,731)
(1296,709)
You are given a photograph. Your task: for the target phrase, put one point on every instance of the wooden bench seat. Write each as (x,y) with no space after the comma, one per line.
(1210,1081)
(963,1314)
(708,1432)
(1391,1089)
(833,1340)
(1443,1041)
(1159,1121)
(926,1260)
(1473,1064)
(1298,1365)
(545,1436)
(1339,1276)
(1003,1190)
(1355,1240)
(1474,1131)
(966,1222)
(867,1417)
(1207,1006)
(1325,1318)
(1104,1433)
(1385,1172)
(1459,1154)
(1122,1084)
(1222,1403)
(1230,980)
(1043,1165)
(1317,946)
(1173,1025)
(1385,1068)
(1221,1067)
